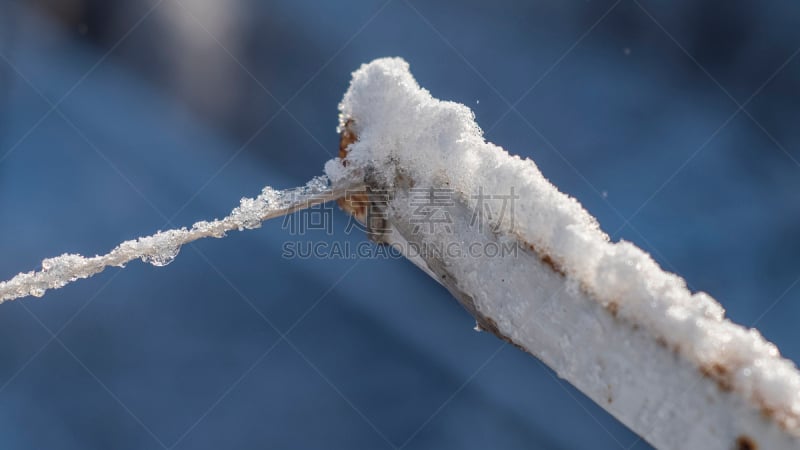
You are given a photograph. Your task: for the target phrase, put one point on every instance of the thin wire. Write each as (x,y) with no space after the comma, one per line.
(162,247)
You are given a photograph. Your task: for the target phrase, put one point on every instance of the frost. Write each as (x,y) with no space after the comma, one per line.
(161,248)
(401,128)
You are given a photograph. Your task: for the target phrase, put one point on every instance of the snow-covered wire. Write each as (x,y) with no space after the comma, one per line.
(161,248)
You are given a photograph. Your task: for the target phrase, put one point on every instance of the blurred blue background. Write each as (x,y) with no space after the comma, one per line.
(119,118)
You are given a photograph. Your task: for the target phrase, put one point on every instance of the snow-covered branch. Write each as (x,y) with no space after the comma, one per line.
(161,248)
(603,315)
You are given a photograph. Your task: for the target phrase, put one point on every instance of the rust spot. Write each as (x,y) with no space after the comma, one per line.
(401,179)
(544,257)
(767,412)
(347,137)
(355,204)
(552,264)
(718,373)
(488,324)
(786,420)
(613,308)
(676,350)
(745,443)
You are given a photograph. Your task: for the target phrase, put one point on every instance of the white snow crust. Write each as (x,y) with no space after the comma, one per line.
(161,248)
